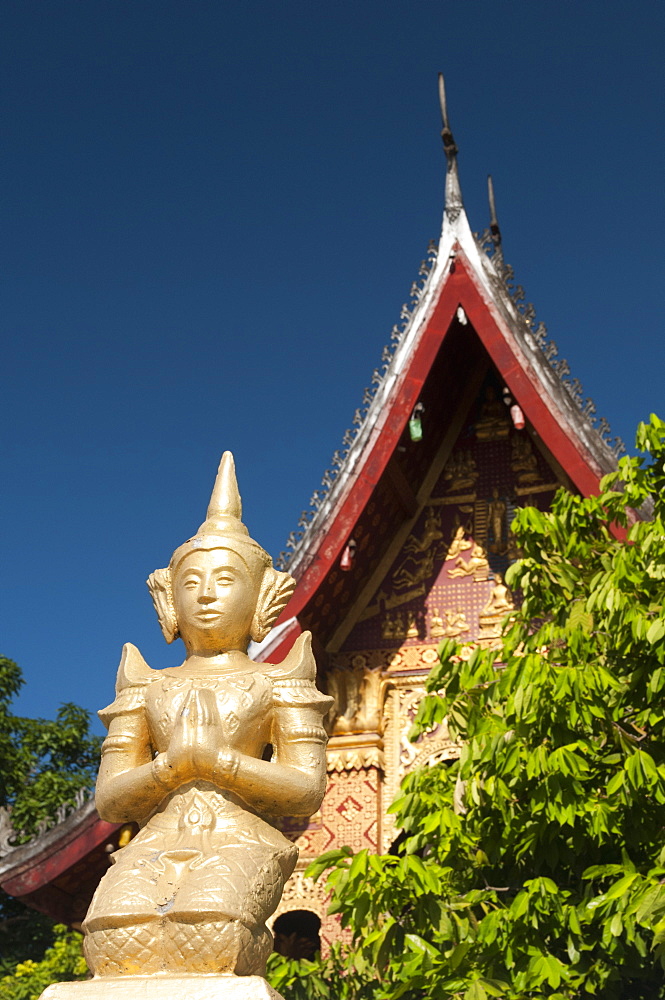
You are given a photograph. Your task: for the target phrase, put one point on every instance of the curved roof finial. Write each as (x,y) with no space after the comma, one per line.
(495,232)
(454,204)
(449,146)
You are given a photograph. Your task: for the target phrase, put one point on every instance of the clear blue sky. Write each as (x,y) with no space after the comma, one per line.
(212,213)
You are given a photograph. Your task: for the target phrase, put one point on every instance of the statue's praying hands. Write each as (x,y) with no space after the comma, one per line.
(197,742)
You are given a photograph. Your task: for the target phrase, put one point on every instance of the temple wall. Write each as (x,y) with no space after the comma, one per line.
(443,580)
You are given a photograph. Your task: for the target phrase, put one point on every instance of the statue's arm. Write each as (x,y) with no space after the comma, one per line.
(294,782)
(130,784)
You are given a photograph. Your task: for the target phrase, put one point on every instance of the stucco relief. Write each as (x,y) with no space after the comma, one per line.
(377,694)
(400,754)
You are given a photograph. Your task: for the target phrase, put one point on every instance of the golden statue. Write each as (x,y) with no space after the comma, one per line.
(477,566)
(493,423)
(431,534)
(423,569)
(436,626)
(411,625)
(200,755)
(490,619)
(496,512)
(461,472)
(500,599)
(399,628)
(388,627)
(459,543)
(456,623)
(523,460)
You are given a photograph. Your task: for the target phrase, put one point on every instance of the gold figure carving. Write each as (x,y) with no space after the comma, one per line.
(431,534)
(358,695)
(461,472)
(456,623)
(390,602)
(458,544)
(493,423)
(185,756)
(436,625)
(411,625)
(500,600)
(523,460)
(497,518)
(421,553)
(388,627)
(423,569)
(477,566)
(500,603)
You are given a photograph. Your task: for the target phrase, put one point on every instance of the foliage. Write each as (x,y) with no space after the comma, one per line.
(534,865)
(62,962)
(43,764)
(300,979)
(24,933)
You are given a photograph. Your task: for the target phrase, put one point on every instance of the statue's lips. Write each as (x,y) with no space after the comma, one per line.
(208,615)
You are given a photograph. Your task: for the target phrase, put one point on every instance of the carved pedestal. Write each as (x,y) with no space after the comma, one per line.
(166,987)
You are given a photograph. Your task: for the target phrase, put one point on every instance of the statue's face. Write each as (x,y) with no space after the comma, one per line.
(215,598)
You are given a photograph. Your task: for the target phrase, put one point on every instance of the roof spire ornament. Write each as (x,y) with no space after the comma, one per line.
(495,232)
(454,205)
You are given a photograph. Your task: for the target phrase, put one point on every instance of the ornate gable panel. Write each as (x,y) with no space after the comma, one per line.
(446,579)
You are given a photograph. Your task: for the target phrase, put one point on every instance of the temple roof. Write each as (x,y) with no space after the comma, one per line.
(58,870)
(483,253)
(463,277)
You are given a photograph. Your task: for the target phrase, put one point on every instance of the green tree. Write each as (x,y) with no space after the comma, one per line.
(43,764)
(534,866)
(62,962)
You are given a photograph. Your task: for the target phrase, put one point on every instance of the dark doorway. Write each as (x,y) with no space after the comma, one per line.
(297,934)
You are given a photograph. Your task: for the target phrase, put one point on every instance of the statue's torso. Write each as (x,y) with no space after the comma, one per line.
(200,809)
(244,703)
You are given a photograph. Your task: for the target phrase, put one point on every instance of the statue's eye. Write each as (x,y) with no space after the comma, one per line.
(225,578)
(190,583)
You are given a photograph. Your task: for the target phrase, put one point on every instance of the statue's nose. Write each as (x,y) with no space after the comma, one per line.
(207,592)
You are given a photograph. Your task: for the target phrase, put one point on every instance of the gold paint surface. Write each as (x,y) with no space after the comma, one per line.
(205,757)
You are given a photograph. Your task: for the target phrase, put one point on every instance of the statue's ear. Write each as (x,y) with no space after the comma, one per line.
(274,595)
(159,585)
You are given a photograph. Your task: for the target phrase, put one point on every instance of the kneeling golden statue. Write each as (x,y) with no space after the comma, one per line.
(199,755)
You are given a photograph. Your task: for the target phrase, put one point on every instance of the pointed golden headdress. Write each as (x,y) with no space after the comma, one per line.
(223,527)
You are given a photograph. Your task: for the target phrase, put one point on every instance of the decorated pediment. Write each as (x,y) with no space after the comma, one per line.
(446,578)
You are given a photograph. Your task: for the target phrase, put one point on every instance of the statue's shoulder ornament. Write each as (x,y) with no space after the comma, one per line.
(294,679)
(133,677)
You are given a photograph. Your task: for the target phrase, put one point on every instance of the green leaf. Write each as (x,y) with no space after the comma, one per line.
(475,992)
(620,887)
(656,631)
(579,617)
(615,783)
(553,970)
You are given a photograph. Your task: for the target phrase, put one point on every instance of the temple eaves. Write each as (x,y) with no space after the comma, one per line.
(506,300)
